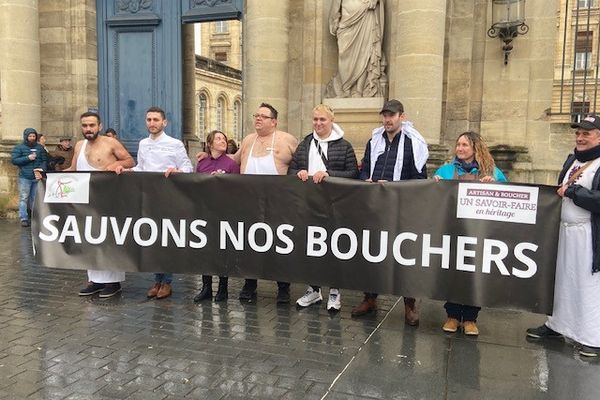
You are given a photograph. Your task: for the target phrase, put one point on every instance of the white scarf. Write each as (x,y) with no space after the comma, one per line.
(419,148)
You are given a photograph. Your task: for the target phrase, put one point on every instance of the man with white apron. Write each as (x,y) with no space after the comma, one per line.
(268,151)
(106,154)
(576,312)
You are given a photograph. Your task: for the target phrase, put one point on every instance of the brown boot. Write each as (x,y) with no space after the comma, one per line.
(411,316)
(153,291)
(164,291)
(368,304)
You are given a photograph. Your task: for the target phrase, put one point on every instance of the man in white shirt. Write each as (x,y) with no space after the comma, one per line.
(160,153)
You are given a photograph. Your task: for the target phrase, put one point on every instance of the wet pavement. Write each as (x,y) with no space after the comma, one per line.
(57,345)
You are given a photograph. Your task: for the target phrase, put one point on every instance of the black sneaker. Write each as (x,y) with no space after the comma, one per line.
(543,332)
(248,292)
(25,223)
(110,289)
(589,351)
(91,288)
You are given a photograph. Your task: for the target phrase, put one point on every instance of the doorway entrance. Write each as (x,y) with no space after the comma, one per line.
(141,59)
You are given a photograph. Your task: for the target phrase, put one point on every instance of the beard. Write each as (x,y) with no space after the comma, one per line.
(90,135)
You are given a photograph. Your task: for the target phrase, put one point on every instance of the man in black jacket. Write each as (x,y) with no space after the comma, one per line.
(324,152)
(395,152)
(576,312)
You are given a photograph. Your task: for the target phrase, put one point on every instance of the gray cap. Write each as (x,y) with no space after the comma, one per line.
(393,106)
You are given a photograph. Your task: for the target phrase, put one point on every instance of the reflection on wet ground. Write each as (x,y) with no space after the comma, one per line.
(56,345)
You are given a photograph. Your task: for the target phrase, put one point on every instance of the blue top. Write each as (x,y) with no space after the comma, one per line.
(447,171)
(20,156)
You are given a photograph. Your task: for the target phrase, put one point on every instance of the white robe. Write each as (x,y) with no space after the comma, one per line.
(576,312)
(97,276)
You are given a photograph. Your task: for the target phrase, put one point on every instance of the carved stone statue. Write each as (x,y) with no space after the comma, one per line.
(358,26)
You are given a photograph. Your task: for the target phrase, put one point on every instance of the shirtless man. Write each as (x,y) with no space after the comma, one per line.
(267,151)
(99,153)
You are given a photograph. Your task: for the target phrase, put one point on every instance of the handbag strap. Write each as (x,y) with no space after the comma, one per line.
(321,153)
(577,173)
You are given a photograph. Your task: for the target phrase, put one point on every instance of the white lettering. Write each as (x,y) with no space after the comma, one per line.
(316,237)
(366,244)
(532,266)
(137,236)
(227,232)
(87,231)
(168,229)
(120,235)
(268,237)
(396,248)
(285,239)
(52,230)
(462,253)
(199,234)
(428,250)
(335,238)
(489,256)
(71,229)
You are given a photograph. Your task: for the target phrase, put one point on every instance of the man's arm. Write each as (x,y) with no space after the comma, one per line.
(122,155)
(18,159)
(584,198)
(183,161)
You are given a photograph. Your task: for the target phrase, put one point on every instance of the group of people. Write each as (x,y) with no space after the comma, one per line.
(396,151)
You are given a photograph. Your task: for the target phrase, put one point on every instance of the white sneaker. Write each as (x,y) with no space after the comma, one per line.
(335,300)
(310,297)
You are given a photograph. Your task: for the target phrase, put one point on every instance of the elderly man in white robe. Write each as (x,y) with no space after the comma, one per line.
(576,313)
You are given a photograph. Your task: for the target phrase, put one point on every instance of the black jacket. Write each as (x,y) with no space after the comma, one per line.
(588,199)
(341,159)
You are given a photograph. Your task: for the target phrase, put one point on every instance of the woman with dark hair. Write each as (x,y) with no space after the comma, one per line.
(217,162)
(472,162)
(232,146)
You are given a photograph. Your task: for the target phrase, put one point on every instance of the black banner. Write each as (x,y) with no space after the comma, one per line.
(471,243)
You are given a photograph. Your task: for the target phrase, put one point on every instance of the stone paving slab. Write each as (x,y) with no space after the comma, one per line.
(57,345)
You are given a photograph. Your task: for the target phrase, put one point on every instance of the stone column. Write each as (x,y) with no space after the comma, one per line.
(265,61)
(20,89)
(417,63)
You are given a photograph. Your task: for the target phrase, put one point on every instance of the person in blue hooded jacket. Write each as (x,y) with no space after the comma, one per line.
(472,162)
(28,156)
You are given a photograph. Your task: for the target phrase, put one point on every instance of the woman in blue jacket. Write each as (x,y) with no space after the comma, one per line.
(472,162)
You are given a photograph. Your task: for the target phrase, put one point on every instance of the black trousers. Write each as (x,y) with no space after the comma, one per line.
(462,312)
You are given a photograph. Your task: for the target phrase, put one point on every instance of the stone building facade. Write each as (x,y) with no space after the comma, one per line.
(441,64)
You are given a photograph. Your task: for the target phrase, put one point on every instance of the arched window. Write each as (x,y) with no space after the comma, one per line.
(220,114)
(237,120)
(202,111)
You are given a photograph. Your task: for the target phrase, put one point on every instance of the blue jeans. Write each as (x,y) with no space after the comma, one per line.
(163,278)
(27,188)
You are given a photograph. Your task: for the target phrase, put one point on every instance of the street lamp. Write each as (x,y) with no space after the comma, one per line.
(508,21)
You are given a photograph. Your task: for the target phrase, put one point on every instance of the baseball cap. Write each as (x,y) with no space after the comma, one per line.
(588,123)
(393,106)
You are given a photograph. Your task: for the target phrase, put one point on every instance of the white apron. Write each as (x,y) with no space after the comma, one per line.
(576,312)
(264,165)
(93,275)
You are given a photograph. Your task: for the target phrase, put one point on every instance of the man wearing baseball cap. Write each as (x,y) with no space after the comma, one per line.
(576,312)
(395,152)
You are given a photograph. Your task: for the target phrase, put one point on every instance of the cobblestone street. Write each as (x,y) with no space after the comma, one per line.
(57,345)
